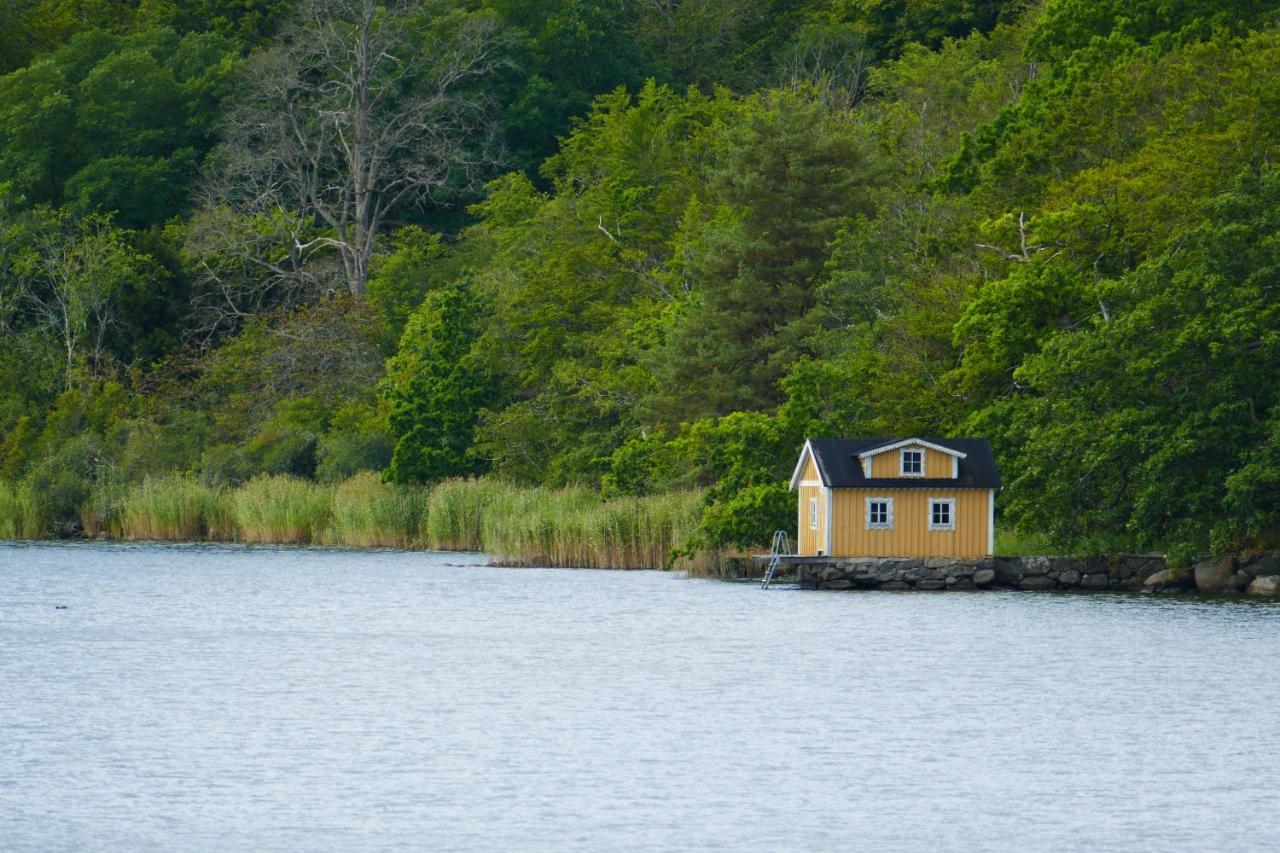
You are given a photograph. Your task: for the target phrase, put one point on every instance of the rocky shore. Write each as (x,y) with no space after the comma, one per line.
(1246,574)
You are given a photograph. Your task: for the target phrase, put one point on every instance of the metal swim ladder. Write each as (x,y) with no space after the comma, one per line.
(780,547)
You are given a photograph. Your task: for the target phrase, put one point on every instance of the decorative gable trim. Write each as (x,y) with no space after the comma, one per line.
(909,441)
(807,453)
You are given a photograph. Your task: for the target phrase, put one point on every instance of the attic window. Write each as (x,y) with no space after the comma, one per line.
(912,463)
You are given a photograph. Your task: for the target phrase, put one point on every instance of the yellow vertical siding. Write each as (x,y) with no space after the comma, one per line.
(936,464)
(910,536)
(811,541)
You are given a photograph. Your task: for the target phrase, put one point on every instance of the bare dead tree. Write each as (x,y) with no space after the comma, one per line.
(246,265)
(831,62)
(362,109)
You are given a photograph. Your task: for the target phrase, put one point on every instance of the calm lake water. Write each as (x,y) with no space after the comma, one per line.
(231,698)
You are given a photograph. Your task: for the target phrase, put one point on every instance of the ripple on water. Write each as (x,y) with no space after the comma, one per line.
(221,697)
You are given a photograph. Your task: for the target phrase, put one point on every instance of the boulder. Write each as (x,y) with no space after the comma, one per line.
(1033,566)
(938,562)
(1169,580)
(1070,577)
(1215,577)
(1008,570)
(1098,580)
(1267,565)
(1038,582)
(837,584)
(1146,569)
(1157,581)
(862,571)
(961,583)
(894,585)
(886,573)
(1265,585)
(984,577)
(931,584)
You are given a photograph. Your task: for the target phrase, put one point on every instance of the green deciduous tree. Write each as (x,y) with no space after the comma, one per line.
(1137,424)
(436,386)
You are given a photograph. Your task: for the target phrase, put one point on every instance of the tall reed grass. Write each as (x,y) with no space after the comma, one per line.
(281,510)
(456,510)
(574,528)
(24,513)
(568,527)
(367,513)
(175,507)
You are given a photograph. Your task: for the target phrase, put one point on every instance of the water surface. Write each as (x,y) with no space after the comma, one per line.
(233,698)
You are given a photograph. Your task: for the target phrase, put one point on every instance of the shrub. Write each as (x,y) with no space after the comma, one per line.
(749,517)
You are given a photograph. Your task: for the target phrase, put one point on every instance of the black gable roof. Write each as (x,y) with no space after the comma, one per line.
(840,468)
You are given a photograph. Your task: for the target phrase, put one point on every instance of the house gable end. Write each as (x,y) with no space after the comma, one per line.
(911,442)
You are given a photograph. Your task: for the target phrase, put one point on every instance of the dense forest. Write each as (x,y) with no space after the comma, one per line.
(649,245)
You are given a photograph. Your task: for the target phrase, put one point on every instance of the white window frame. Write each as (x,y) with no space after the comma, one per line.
(887,525)
(813,513)
(902,461)
(951,513)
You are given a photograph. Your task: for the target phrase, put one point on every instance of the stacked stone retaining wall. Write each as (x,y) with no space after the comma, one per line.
(1258,574)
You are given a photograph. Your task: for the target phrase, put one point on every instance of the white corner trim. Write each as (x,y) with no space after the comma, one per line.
(800,525)
(952,514)
(991,522)
(828,521)
(895,445)
(955,467)
(866,468)
(866,516)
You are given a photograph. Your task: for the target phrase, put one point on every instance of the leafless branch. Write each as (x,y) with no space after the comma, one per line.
(361,109)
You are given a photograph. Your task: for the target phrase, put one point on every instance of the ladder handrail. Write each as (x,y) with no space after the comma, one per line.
(781,545)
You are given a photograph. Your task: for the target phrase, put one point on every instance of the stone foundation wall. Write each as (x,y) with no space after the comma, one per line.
(1127,572)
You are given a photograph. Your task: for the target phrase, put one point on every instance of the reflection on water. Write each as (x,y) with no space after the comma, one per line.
(228,698)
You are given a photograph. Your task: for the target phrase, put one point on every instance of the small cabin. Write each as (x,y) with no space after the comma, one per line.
(896,497)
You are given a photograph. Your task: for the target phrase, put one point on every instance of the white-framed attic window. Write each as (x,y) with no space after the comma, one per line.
(879,513)
(942,513)
(911,462)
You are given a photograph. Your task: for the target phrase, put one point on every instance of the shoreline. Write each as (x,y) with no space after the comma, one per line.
(1254,575)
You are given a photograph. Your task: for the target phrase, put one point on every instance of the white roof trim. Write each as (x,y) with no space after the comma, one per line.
(806,452)
(909,441)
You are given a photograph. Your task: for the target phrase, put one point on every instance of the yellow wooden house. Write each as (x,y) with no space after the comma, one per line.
(896,497)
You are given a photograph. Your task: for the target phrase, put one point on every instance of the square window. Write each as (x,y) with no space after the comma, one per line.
(942,514)
(879,513)
(912,463)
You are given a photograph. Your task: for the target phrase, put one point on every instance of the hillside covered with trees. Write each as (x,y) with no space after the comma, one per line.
(649,245)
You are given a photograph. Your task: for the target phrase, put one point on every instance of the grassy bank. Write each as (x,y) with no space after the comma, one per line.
(571,527)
